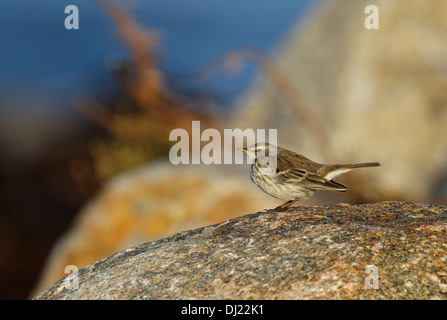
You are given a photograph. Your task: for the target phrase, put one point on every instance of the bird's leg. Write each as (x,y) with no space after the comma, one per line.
(282,206)
(286,204)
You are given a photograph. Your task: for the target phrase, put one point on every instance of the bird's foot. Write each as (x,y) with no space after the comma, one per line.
(285,205)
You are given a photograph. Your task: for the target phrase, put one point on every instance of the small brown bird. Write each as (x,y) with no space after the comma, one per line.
(289,176)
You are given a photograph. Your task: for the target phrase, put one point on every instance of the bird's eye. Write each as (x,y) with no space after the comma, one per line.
(259,150)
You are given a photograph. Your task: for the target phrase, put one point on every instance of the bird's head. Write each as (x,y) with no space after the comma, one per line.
(260,149)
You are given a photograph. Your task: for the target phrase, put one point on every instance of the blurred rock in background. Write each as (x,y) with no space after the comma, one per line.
(148,203)
(371,95)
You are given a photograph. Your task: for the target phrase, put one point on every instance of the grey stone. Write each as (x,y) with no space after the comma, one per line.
(318,252)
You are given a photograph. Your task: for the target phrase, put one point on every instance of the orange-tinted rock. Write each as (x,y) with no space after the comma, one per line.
(148,203)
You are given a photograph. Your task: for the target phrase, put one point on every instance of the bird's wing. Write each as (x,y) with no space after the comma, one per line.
(320,183)
(288,172)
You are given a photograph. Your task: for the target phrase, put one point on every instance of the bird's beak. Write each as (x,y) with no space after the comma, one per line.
(242,149)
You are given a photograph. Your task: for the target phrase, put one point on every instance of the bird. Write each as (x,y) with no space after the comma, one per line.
(289,176)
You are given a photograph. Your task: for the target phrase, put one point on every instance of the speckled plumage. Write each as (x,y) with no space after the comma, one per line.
(289,176)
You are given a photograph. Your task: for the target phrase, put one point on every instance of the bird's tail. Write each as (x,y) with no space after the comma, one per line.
(333,171)
(364,165)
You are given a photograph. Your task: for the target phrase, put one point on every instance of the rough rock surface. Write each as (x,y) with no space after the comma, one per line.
(303,253)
